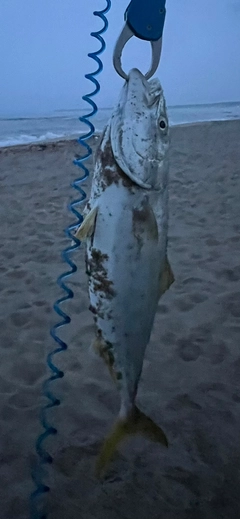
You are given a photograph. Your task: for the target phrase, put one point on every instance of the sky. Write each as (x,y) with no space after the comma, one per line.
(44,46)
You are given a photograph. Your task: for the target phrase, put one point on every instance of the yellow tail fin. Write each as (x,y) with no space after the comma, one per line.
(137,423)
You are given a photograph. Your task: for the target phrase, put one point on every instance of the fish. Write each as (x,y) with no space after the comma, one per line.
(125,228)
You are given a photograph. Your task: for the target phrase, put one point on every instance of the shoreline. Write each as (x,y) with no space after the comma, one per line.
(42,145)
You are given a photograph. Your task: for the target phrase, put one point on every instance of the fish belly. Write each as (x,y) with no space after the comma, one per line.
(126,256)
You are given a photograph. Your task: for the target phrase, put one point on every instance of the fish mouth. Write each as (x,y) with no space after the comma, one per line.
(136,74)
(151,88)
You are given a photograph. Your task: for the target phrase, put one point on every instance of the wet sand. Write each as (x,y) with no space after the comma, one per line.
(190,381)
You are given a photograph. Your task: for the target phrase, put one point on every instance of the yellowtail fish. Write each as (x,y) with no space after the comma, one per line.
(125,228)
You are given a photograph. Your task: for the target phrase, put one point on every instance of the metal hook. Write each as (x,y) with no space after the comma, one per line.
(124,37)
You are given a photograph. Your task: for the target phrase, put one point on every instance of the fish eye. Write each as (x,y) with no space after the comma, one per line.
(162,124)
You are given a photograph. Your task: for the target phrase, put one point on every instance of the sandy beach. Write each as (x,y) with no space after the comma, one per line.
(190,381)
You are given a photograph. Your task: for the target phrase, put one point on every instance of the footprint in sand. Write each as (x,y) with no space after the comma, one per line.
(10,292)
(168,338)
(235,372)
(231,303)
(183,305)
(234,239)
(183,401)
(3,270)
(236,397)
(17,274)
(163,309)
(196,297)
(21,318)
(7,342)
(181,248)
(212,242)
(29,373)
(206,447)
(188,350)
(8,255)
(218,352)
(206,387)
(192,280)
(185,477)
(6,386)
(40,303)
(195,256)
(229,274)
(7,413)
(25,306)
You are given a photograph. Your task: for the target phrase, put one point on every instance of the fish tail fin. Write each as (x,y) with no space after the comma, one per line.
(136,423)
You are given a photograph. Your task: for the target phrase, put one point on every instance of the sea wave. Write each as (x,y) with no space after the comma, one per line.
(65,125)
(31,139)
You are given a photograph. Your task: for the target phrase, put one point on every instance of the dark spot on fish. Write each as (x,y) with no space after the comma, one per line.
(103,285)
(99,309)
(144,221)
(100,143)
(92,309)
(110,358)
(99,274)
(109,345)
(87,264)
(100,314)
(119,375)
(98,256)
(111,173)
(106,351)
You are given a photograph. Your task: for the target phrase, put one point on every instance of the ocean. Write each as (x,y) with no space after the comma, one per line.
(65,124)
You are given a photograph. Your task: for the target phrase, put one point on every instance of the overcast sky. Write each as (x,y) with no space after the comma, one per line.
(44,46)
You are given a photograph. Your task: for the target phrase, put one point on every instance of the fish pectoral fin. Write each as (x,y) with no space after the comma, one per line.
(137,423)
(86,229)
(166,278)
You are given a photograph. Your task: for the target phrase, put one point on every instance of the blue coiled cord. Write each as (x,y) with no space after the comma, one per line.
(37,508)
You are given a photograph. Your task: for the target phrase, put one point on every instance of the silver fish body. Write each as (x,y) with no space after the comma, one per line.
(126,229)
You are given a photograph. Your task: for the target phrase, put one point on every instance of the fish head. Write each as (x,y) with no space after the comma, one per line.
(140,132)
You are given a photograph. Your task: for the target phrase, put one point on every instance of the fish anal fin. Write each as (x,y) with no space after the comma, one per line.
(100,347)
(136,423)
(166,278)
(86,229)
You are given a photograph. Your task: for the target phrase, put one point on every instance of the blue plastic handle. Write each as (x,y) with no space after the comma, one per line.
(146,18)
